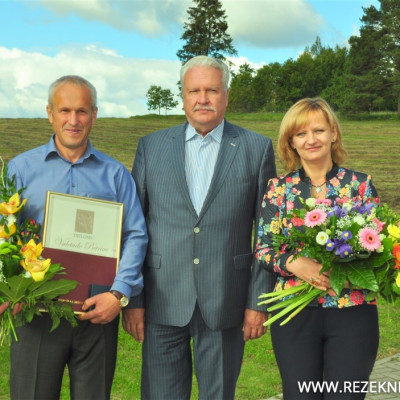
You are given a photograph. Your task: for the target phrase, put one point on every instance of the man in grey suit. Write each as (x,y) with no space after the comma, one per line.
(200,186)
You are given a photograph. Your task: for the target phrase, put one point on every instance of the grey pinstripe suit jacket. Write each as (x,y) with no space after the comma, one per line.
(208,257)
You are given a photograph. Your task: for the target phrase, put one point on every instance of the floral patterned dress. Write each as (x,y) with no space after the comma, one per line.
(283,194)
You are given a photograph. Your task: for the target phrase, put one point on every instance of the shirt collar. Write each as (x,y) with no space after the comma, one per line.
(51,149)
(331,174)
(215,134)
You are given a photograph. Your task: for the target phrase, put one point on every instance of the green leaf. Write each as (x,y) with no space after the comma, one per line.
(338,277)
(16,288)
(52,289)
(59,310)
(362,277)
(396,289)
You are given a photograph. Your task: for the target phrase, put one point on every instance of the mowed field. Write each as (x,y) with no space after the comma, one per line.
(373,146)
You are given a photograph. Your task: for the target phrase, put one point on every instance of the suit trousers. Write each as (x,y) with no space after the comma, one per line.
(331,350)
(39,358)
(167,361)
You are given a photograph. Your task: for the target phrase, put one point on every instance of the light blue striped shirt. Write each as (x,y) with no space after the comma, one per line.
(200,157)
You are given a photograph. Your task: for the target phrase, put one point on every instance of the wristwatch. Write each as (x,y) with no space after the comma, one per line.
(123,300)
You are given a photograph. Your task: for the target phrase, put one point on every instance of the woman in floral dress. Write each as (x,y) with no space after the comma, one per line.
(328,350)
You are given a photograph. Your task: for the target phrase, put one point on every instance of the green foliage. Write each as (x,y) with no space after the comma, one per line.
(275,87)
(370,81)
(205,33)
(365,78)
(241,97)
(25,276)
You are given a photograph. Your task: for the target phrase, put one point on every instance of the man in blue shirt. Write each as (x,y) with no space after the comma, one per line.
(69,164)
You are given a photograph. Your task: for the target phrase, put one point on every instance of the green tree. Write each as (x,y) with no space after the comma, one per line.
(205,33)
(241,94)
(328,65)
(154,98)
(167,100)
(373,69)
(158,98)
(265,87)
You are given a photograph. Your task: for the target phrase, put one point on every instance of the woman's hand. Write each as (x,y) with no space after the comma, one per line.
(308,270)
(17,307)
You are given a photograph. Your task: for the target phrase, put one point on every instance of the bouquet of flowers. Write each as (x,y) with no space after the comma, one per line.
(357,243)
(25,276)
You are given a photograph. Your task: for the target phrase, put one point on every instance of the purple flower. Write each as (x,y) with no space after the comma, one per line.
(339,211)
(365,208)
(346,235)
(340,246)
(343,250)
(331,245)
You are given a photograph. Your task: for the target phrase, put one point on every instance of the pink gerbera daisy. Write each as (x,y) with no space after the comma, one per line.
(379,224)
(314,218)
(369,239)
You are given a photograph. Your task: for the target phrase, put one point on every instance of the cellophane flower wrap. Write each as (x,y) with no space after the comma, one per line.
(357,243)
(25,276)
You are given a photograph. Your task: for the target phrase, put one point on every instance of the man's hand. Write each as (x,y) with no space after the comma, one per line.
(133,322)
(106,308)
(253,327)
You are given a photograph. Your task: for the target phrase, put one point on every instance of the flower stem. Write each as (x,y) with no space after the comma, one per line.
(295,312)
(299,300)
(274,296)
(11,322)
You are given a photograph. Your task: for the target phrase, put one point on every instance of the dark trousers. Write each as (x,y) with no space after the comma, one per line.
(329,346)
(167,361)
(39,358)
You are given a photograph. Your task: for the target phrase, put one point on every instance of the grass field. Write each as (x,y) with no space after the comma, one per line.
(373,146)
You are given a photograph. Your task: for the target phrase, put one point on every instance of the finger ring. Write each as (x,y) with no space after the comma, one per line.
(314,281)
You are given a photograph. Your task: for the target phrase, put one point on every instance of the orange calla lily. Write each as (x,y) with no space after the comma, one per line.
(13,205)
(11,230)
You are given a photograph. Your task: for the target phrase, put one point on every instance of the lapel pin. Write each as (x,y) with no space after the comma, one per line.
(233,144)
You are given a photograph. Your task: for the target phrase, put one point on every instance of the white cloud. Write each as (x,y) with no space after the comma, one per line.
(149,17)
(272,23)
(261,23)
(238,61)
(121,82)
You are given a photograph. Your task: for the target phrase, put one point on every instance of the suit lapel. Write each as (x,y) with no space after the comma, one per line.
(178,160)
(229,147)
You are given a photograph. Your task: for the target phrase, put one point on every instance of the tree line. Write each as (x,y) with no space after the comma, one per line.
(363,77)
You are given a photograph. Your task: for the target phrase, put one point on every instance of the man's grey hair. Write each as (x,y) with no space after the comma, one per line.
(77,80)
(206,61)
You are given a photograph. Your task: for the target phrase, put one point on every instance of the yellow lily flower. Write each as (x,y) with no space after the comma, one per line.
(394,232)
(11,230)
(31,249)
(13,205)
(36,267)
(398,280)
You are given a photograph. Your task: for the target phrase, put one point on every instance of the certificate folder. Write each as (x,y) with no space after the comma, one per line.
(83,235)
(89,270)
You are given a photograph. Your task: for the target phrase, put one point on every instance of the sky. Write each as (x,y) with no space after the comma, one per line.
(125,46)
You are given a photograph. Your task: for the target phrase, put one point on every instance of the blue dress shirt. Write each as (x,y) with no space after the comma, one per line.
(200,157)
(94,175)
